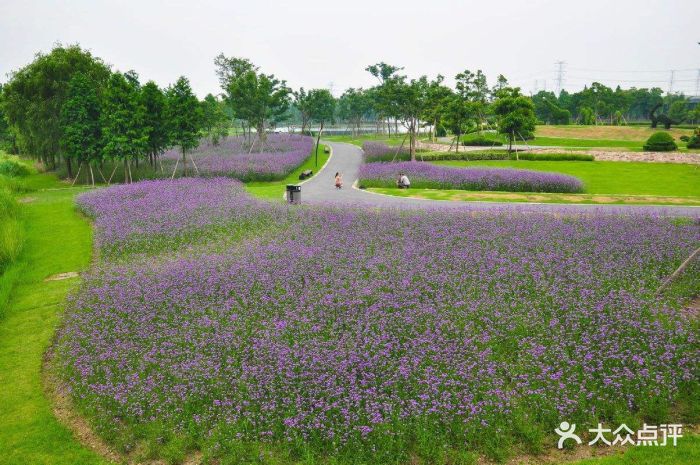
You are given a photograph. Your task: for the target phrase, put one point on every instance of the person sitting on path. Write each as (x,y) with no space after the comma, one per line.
(338,181)
(403,182)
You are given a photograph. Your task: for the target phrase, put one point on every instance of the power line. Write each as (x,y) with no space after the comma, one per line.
(560,74)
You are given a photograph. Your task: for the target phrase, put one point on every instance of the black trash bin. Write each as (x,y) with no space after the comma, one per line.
(293,194)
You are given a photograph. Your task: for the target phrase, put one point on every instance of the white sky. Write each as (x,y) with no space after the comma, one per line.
(312,43)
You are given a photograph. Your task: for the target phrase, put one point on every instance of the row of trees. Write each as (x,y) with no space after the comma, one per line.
(70,107)
(599,104)
(423,103)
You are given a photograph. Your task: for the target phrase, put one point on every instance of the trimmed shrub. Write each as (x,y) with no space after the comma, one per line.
(481,141)
(694,140)
(554,156)
(660,142)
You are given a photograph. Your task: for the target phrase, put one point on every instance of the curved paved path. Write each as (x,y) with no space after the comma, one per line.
(347,158)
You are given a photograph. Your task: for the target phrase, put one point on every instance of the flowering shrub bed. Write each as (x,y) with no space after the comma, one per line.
(151,215)
(282,154)
(426,175)
(376,336)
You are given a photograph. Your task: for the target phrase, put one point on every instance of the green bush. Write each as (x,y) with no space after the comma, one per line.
(554,156)
(694,140)
(660,142)
(10,166)
(481,141)
(466,156)
(502,155)
(11,230)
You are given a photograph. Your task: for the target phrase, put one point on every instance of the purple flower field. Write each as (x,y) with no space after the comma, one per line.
(429,176)
(144,216)
(353,333)
(232,157)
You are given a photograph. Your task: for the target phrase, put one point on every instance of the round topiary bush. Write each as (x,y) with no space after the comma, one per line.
(660,142)
(694,140)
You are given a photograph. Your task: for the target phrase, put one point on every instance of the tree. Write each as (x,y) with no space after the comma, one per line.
(7,137)
(123,122)
(437,97)
(353,106)
(214,120)
(184,114)
(515,114)
(383,99)
(410,98)
(321,109)
(155,121)
(80,124)
(302,102)
(678,111)
(230,69)
(458,113)
(259,99)
(35,94)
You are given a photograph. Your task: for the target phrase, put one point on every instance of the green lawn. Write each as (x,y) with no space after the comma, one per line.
(359,140)
(275,189)
(587,143)
(608,177)
(57,240)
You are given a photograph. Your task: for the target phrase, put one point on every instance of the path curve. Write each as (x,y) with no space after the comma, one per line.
(347,158)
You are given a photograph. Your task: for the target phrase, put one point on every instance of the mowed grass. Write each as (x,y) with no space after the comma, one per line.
(359,140)
(617,133)
(608,177)
(539,197)
(275,190)
(57,240)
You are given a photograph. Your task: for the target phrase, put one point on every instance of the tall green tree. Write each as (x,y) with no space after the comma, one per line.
(321,110)
(515,114)
(438,95)
(123,123)
(354,106)
(214,119)
(260,99)
(35,94)
(411,100)
(155,120)
(81,137)
(184,114)
(7,137)
(383,95)
(302,102)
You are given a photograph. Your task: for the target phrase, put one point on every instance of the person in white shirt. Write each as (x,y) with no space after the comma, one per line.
(403,182)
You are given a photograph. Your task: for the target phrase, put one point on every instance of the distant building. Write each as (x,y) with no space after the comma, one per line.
(693,102)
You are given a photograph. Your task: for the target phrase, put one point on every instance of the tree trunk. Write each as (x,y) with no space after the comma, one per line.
(318,140)
(70,167)
(184,163)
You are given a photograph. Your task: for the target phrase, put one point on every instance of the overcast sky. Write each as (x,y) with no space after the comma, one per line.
(314,43)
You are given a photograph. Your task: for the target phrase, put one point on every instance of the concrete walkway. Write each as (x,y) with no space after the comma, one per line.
(347,158)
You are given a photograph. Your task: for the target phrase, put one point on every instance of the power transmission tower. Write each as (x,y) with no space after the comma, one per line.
(331,85)
(560,75)
(670,82)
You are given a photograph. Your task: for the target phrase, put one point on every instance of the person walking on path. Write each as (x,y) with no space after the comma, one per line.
(338,181)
